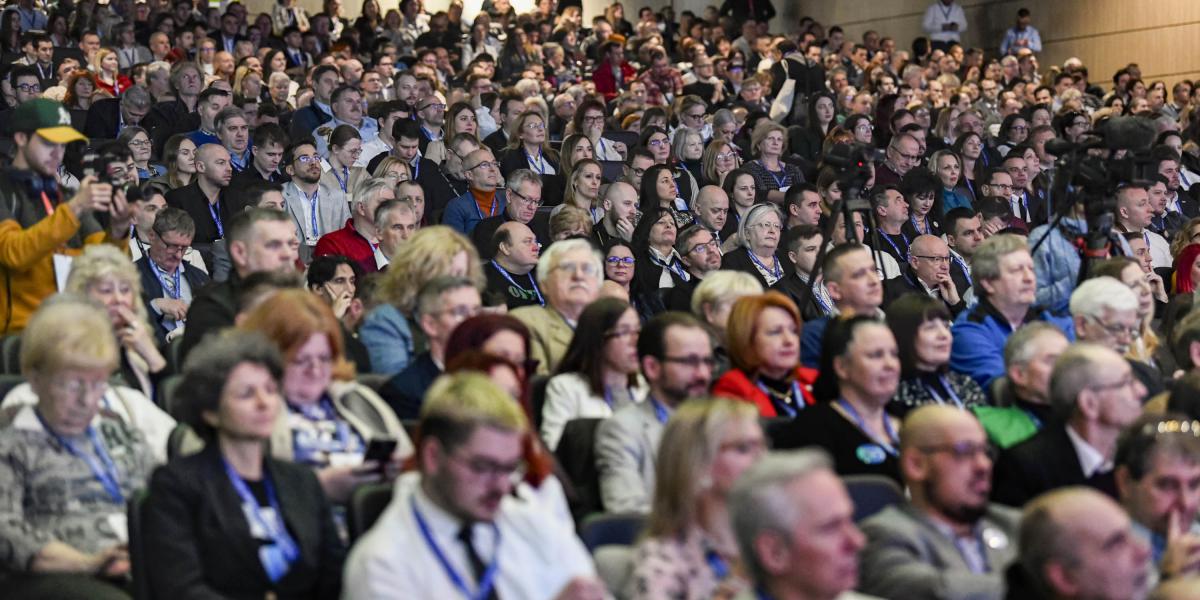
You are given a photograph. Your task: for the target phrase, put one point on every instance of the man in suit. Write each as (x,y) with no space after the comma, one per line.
(1095,394)
(314,208)
(525,197)
(802,244)
(676,358)
(179,114)
(1074,544)
(927,272)
(108,116)
(204,199)
(700,255)
(168,281)
(305,120)
(1157,465)
(227,37)
(442,304)
(569,273)
(511,107)
(260,239)
(947,541)
(794,524)
(298,61)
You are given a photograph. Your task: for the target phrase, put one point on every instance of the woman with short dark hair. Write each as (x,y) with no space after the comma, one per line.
(921,325)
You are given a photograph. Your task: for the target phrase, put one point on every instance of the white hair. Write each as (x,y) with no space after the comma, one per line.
(555,252)
(1096,295)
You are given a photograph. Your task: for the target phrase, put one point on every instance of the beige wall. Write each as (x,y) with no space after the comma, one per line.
(1105,34)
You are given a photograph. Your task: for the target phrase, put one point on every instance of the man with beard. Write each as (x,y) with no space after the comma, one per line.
(620,204)
(676,358)
(431,115)
(204,198)
(314,208)
(700,255)
(947,541)
(459,502)
(483,199)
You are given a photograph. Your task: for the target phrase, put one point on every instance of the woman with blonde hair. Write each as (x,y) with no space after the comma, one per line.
(713,300)
(431,252)
(688,548)
(393,170)
(768,144)
(106,66)
(719,160)
(529,148)
(329,418)
(105,275)
(247,84)
(583,188)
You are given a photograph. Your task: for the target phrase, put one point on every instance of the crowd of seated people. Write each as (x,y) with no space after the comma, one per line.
(487,302)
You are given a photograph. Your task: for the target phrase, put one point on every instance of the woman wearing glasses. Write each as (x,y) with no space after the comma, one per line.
(1013,132)
(768,144)
(719,160)
(138,142)
(589,121)
(235,521)
(763,339)
(599,372)
(527,149)
(859,373)
(921,325)
(68,468)
(328,418)
(760,232)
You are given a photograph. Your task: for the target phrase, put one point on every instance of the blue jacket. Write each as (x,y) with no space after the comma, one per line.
(463,214)
(388,338)
(1056,263)
(979,336)
(810,342)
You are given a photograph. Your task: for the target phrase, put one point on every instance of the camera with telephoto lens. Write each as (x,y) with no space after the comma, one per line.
(103,166)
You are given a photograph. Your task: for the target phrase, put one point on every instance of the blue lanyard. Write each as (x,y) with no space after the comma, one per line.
(216,217)
(970,186)
(281,539)
(913,219)
(486,582)
(505,274)
(825,308)
(312,203)
(674,267)
(963,265)
(719,567)
(491,209)
(890,448)
(105,472)
(888,239)
(1037,423)
(608,399)
(342,183)
(779,181)
(660,411)
(776,271)
(790,409)
(949,390)
(159,274)
(429,135)
(325,410)
(540,165)
(599,143)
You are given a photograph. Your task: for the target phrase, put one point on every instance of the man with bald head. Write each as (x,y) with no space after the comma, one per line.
(903,154)
(204,198)
(514,251)
(620,204)
(711,209)
(482,200)
(1094,395)
(1076,543)
(524,196)
(927,272)
(947,541)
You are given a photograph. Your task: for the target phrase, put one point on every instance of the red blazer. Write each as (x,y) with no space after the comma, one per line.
(607,84)
(735,384)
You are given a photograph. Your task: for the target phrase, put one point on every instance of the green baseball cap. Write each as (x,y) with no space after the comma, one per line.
(48,119)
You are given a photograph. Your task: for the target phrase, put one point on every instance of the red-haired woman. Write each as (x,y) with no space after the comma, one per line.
(763,338)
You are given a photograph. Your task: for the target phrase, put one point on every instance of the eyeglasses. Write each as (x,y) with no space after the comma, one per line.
(699,115)
(485,164)
(174,248)
(29,88)
(594,119)
(962,450)
(438,106)
(726,156)
(78,388)
(535,126)
(487,469)
(656,142)
(620,260)
(587,268)
(693,361)
(705,246)
(139,142)
(1000,186)
(942,260)
(1018,128)
(912,157)
(768,226)
(463,312)
(1116,329)
(535,202)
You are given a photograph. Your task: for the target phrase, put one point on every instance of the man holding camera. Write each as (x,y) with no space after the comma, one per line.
(39,228)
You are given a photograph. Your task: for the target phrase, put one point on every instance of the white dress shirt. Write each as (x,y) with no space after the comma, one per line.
(1090,459)
(537,556)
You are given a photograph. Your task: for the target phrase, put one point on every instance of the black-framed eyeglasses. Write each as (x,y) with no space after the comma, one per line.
(620,260)
(943,260)
(1116,329)
(536,202)
(705,246)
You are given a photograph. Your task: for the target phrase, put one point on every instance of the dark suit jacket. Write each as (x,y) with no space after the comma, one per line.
(192,200)
(792,287)
(739,260)
(103,118)
(167,119)
(306,119)
(405,391)
(200,541)
(152,288)
(213,308)
(1042,463)
(497,141)
(552,185)
(907,283)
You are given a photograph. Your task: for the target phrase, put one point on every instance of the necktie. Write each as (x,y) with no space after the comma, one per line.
(477,567)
